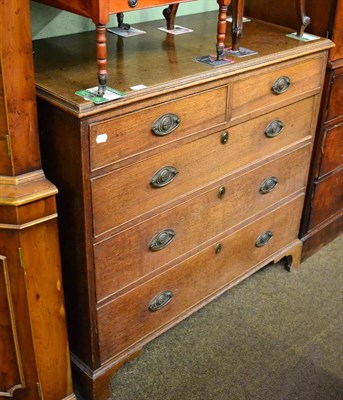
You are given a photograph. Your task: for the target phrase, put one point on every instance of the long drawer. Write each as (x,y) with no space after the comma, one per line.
(255,92)
(153,127)
(130,255)
(127,193)
(133,316)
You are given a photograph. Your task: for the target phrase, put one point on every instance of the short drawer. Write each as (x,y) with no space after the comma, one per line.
(335,106)
(327,198)
(133,134)
(332,149)
(128,193)
(136,252)
(270,87)
(131,317)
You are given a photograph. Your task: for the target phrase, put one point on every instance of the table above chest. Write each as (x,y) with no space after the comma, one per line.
(94,8)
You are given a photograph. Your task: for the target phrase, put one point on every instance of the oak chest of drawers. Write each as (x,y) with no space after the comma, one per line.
(176,192)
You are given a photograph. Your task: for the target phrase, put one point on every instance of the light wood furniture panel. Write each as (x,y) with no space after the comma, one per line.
(34,355)
(323,212)
(193,281)
(157,229)
(175,116)
(196,164)
(227,205)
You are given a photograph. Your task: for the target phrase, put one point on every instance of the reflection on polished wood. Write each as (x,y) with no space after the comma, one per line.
(99,12)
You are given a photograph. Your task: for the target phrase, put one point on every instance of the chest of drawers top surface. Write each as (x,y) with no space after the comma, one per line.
(161,62)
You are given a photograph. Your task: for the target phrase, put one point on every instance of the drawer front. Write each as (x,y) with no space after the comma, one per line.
(123,137)
(335,106)
(332,149)
(128,319)
(254,93)
(116,6)
(327,199)
(128,193)
(125,258)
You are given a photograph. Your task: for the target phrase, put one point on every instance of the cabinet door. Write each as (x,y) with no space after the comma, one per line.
(18,372)
(11,365)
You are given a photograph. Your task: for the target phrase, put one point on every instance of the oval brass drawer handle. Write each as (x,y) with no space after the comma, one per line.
(281,85)
(269,184)
(160,300)
(274,128)
(164,176)
(162,239)
(165,124)
(264,238)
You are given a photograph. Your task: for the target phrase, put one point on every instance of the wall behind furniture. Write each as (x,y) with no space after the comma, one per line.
(48,21)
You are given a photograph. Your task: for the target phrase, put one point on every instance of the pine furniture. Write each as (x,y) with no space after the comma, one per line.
(34,352)
(176,192)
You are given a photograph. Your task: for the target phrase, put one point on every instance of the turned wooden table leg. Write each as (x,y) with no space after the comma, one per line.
(101,56)
(221,28)
(237,23)
(304,20)
(170,14)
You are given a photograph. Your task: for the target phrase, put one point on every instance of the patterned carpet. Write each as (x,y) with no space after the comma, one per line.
(275,336)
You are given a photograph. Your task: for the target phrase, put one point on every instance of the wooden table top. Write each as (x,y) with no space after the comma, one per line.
(162,62)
